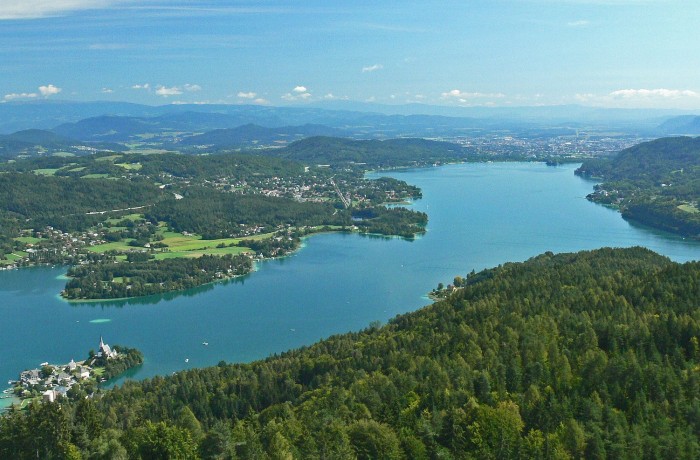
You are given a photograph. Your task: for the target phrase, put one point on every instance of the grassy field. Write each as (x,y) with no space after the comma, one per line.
(688,208)
(179,245)
(45,171)
(180,242)
(131,166)
(12,258)
(94,176)
(131,217)
(198,253)
(28,239)
(111,158)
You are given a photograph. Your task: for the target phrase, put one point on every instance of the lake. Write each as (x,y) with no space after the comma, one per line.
(481,215)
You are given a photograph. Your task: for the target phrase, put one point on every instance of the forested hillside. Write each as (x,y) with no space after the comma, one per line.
(373,153)
(656,183)
(68,204)
(593,354)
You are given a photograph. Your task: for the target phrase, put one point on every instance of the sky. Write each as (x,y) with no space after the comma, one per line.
(605,53)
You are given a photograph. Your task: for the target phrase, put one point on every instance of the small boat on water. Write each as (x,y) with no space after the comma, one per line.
(187,360)
(205,343)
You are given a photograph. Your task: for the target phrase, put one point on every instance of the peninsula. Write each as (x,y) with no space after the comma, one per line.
(656,183)
(76,379)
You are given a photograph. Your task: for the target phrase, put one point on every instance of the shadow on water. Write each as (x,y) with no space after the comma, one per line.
(655,231)
(157,298)
(129,374)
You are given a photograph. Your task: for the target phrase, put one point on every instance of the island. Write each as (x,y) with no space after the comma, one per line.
(656,183)
(76,379)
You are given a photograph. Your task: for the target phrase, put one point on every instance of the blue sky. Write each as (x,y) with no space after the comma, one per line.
(611,53)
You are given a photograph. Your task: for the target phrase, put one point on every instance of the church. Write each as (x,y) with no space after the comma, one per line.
(105,351)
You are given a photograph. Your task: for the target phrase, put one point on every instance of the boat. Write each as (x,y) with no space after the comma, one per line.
(205,343)
(187,360)
(44,364)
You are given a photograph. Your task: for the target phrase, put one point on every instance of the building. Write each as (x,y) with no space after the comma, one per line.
(105,351)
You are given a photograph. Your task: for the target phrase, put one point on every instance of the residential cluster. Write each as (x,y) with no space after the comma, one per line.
(53,380)
(580,145)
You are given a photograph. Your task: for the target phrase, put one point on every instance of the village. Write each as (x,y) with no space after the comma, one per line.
(51,381)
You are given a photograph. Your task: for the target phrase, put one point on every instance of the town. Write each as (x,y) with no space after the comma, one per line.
(74,379)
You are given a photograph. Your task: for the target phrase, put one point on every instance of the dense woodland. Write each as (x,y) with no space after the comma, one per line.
(593,354)
(218,215)
(127,358)
(28,200)
(371,153)
(656,183)
(111,279)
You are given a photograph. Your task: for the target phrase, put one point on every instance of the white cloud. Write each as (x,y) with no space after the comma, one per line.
(333,97)
(372,68)
(579,23)
(49,90)
(167,92)
(661,98)
(247,95)
(145,86)
(260,101)
(30,9)
(45,91)
(465,97)
(299,93)
(15,96)
(107,90)
(660,93)
(191,88)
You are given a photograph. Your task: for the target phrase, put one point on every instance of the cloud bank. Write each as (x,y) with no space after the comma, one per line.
(464,97)
(32,9)
(45,91)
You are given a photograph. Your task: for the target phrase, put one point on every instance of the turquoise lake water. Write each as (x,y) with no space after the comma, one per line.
(481,215)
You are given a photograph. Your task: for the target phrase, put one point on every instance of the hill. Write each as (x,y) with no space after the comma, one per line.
(685,124)
(107,128)
(251,135)
(36,142)
(656,183)
(585,355)
(372,153)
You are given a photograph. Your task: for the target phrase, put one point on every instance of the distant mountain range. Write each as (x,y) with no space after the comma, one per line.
(251,134)
(32,142)
(376,119)
(683,125)
(45,127)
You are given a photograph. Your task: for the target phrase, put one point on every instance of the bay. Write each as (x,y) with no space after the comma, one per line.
(481,215)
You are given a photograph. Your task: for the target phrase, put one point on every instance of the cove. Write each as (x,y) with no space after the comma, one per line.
(481,215)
